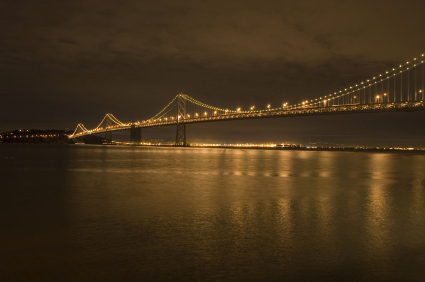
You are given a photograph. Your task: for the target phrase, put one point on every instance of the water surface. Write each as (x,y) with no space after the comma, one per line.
(108,213)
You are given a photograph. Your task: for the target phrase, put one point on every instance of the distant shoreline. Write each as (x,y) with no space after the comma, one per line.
(316,149)
(336,149)
(360,150)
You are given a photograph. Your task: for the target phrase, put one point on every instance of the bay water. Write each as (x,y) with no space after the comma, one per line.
(119,213)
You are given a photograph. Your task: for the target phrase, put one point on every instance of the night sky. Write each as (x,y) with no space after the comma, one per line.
(65,62)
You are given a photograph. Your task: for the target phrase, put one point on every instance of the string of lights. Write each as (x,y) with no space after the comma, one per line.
(110,117)
(114,119)
(366,95)
(190,99)
(79,126)
(156,116)
(362,85)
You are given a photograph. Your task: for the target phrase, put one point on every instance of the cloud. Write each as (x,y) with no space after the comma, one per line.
(212,33)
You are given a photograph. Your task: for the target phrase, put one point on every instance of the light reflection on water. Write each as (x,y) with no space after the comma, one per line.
(178,214)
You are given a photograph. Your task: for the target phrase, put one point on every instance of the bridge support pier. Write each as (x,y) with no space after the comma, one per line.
(181,135)
(108,137)
(135,135)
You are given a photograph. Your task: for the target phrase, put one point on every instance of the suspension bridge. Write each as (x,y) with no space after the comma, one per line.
(398,89)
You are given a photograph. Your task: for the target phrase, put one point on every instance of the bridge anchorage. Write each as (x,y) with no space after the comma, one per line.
(399,89)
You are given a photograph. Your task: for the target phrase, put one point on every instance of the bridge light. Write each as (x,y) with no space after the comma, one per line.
(268,106)
(252,108)
(420,91)
(196,114)
(205,113)
(238,110)
(215,112)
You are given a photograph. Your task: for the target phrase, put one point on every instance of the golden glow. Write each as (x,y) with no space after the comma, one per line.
(110,122)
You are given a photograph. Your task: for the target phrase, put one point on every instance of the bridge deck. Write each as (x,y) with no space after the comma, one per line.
(280,113)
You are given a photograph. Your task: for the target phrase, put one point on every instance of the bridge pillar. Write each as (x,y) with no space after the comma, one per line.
(108,137)
(181,126)
(135,135)
(181,135)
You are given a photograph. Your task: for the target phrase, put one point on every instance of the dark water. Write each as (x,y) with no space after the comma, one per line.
(99,213)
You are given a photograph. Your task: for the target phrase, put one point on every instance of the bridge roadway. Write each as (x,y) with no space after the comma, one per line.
(278,113)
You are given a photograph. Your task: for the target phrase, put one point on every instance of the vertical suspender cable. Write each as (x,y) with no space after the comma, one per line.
(401,85)
(408,84)
(388,88)
(394,88)
(416,95)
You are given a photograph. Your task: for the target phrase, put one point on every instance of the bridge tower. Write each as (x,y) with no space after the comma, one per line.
(181,126)
(135,135)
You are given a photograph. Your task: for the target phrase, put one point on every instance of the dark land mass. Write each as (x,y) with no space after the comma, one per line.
(55,136)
